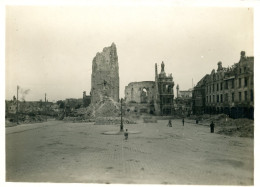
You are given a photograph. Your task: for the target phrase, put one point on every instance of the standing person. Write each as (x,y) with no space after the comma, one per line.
(212,125)
(183,121)
(170,123)
(126,135)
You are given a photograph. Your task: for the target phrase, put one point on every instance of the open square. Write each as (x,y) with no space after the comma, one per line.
(80,153)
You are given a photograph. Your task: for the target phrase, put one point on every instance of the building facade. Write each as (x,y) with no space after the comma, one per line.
(198,97)
(228,90)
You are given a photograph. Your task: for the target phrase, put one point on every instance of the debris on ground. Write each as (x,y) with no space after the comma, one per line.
(24,119)
(106,111)
(241,127)
(237,127)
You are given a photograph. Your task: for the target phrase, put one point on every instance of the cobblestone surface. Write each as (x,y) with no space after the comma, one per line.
(78,152)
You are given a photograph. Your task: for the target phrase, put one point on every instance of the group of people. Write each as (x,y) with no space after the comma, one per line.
(212,125)
(170,123)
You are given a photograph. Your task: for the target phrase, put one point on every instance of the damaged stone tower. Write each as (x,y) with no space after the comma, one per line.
(105,75)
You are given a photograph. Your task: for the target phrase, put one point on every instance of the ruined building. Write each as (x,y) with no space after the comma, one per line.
(140,96)
(152,97)
(227,90)
(105,76)
(185,94)
(183,101)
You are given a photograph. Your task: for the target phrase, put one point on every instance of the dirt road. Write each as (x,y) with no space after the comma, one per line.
(55,151)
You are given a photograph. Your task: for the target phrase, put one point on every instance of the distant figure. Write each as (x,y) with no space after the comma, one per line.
(197,121)
(183,121)
(212,127)
(126,134)
(170,123)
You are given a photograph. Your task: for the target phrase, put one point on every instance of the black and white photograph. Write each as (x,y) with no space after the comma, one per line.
(129,92)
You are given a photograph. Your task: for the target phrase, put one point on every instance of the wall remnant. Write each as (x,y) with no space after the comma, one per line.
(105,75)
(140,96)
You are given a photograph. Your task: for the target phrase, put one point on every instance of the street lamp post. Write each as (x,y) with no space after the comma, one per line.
(45,111)
(121,125)
(17,105)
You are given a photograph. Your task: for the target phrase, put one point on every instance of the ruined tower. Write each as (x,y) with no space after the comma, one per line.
(177,90)
(165,93)
(105,75)
(157,97)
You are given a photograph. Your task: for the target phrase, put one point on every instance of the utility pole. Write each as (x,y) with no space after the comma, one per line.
(17,106)
(45,108)
(121,126)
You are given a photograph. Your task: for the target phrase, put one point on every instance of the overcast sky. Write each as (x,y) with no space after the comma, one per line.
(50,49)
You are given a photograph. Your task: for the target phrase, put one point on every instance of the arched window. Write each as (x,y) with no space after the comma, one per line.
(144,95)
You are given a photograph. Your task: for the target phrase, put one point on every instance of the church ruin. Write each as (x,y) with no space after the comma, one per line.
(152,97)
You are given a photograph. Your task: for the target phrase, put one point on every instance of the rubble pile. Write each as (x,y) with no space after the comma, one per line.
(104,108)
(237,127)
(24,119)
(107,108)
(106,111)
(241,127)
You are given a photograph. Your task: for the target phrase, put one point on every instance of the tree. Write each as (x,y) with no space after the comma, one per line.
(61,104)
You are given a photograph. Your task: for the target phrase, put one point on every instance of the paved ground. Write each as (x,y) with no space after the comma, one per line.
(55,151)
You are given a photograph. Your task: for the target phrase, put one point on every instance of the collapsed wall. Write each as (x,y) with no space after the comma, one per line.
(105,75)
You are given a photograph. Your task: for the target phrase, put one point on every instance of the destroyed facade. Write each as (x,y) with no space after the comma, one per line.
(152,97)
(183,101)
(105,76)
(227,90)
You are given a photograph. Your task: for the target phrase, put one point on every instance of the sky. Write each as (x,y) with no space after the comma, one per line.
(49,49)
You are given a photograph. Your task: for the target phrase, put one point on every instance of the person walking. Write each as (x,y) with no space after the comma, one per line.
(126,134)
(183,121)
(212,125)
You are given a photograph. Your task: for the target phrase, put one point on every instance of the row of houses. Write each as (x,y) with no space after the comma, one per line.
(227,90)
